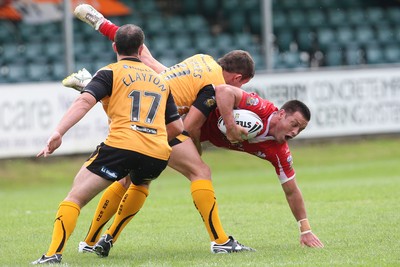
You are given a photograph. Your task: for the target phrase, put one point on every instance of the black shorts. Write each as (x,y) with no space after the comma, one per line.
(205,100)
(114,164)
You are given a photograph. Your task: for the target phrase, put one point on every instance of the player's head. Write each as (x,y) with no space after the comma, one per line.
(238,67)
(129,40)
(293,106)
(293,118)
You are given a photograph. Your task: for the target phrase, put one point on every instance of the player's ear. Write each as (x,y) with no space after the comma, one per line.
(114,47)
(238,77)
(140,50)
(281,113)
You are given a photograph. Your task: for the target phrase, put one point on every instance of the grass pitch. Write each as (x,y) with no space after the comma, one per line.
(351,191)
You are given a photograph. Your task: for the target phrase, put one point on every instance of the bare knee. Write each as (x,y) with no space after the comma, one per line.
(200,172)
(125,182)
(79,200)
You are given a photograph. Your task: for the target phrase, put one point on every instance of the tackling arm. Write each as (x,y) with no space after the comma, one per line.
(174,129)
(193,122)
(296,204)
(228,97)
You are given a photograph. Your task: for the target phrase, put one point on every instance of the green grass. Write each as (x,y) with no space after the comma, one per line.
(351,191)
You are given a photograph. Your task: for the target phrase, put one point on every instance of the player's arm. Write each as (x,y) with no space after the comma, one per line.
(74,114)
(147,58)
(295,200)
(174,129)
(228,97)
(193,122)
(200,109)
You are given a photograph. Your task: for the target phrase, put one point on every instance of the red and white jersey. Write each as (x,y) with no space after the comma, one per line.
(262,146)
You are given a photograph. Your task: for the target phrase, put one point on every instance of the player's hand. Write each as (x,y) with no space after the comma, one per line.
(310,240)
(53,143)
(236,134)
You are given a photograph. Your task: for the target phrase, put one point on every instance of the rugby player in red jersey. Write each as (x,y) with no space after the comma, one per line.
(280,125)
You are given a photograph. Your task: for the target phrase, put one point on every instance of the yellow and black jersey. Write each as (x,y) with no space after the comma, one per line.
(188,78)
(138,103)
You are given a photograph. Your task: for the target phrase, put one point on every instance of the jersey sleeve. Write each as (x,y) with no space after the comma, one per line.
(282,160)
(171,111)
(101,84)
(250,101)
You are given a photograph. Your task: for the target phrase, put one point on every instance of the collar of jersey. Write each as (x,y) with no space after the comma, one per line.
(131,59)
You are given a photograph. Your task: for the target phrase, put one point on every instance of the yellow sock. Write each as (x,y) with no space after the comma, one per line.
(131,203)
(64,225)
(106,208)
(204,199)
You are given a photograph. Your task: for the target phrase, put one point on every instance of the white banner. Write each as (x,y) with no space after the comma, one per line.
(346,102)
(30,112)
(351,102)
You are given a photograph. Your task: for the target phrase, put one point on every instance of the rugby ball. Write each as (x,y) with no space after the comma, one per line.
(245,118)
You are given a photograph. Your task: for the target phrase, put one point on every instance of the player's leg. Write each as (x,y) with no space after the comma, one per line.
(95,19)
(106,208)
(86,185)
(144,169)
(186,160)
(131,203)
(134,197)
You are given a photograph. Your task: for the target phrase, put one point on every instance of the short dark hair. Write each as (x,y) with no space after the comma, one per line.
(293,106)
(238,61)
(128,39)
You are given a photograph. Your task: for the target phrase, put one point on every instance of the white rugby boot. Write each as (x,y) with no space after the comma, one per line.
(230,246)
(89,15)
(84,247)
(78,80)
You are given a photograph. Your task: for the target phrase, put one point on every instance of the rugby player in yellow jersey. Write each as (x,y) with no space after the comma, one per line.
(139,105)
(192,81)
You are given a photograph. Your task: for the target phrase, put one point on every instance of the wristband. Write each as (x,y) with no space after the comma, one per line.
(304,226)
(305,232)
